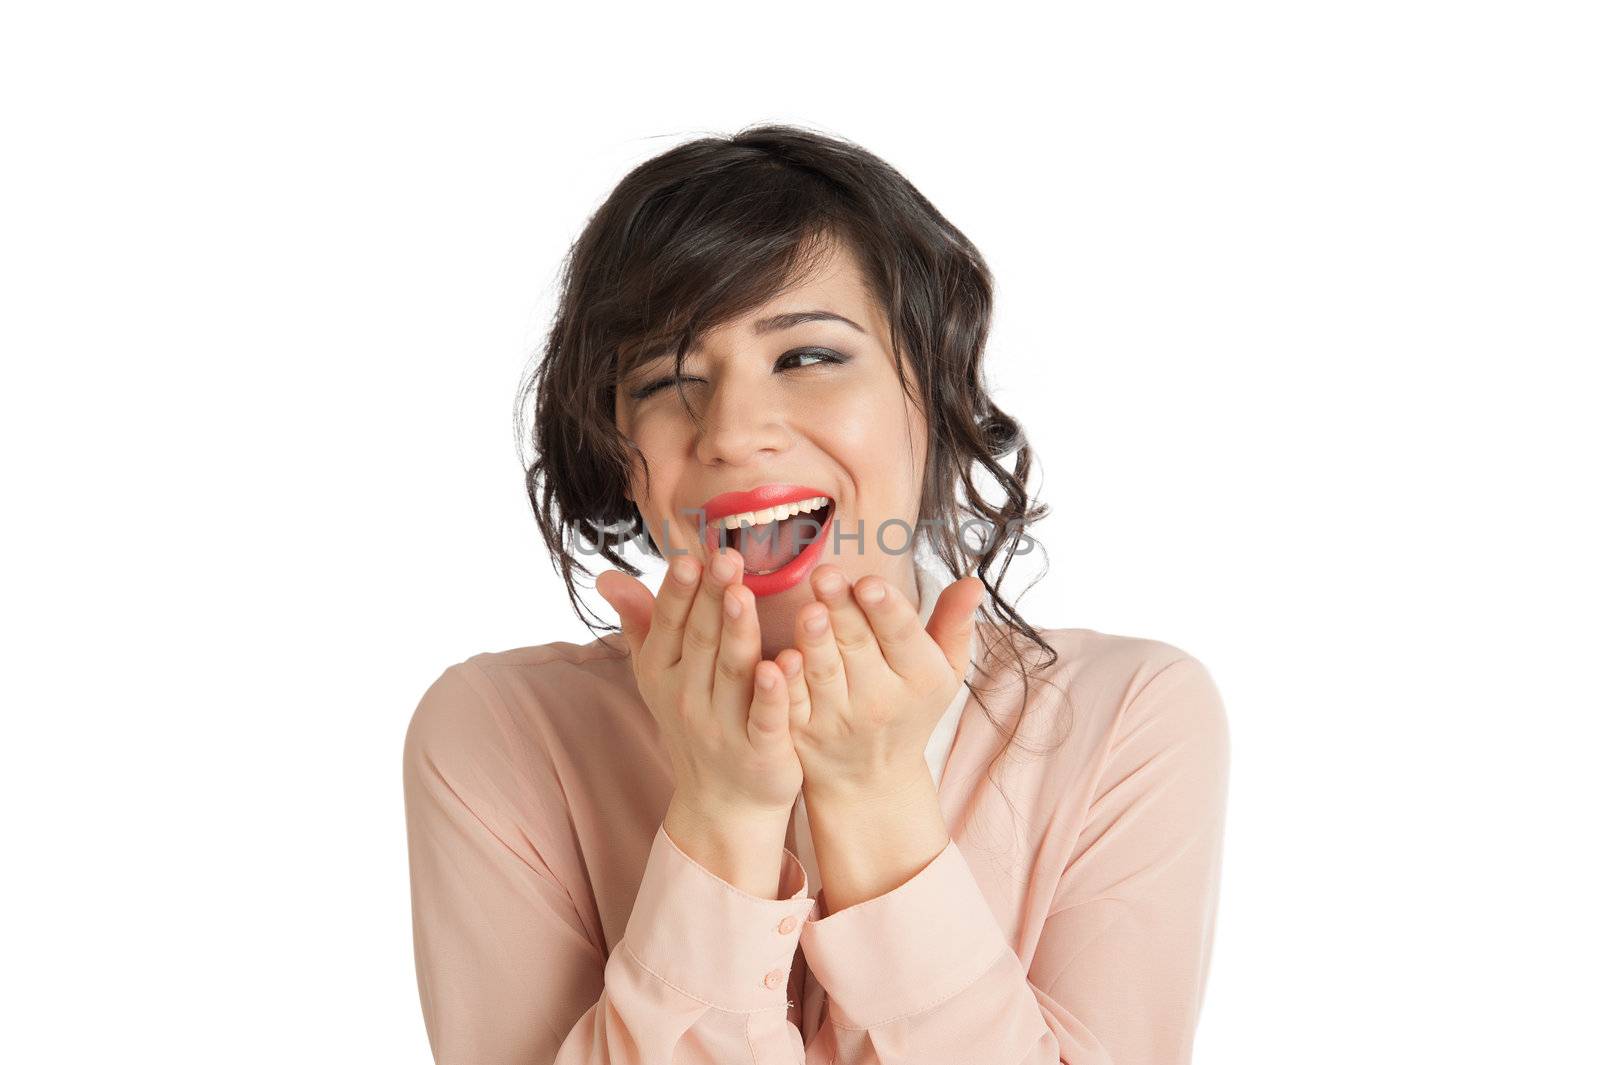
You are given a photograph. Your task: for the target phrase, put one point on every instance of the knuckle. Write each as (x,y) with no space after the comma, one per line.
(664,632)
(700,639)
(902,630)
(698,729)
(854,642)
(676,594)
(729,669)
(826,672)
(685,709)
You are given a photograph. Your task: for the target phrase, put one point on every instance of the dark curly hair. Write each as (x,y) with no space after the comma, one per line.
(715,227)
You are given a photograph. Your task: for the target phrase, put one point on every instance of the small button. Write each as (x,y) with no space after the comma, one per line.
(774,979)
(786,925)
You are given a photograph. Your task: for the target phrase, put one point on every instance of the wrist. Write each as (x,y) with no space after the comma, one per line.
(867,847)
(742,847)
(884,795)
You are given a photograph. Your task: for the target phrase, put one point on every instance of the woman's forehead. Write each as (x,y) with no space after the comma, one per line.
(831,291)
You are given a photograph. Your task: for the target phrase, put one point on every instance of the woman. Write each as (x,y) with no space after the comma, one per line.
(810,802)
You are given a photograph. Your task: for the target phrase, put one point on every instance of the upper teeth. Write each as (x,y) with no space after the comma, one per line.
(777,513)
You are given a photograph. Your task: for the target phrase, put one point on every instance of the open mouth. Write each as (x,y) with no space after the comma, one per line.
(770,540)
(780,541)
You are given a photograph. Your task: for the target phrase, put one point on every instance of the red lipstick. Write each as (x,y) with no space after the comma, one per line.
(770,495)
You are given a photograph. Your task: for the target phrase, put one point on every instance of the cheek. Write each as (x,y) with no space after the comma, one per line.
(865,411)
(879,438)
(661,446)
(652,443)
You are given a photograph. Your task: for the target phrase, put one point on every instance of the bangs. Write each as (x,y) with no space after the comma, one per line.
(695,263)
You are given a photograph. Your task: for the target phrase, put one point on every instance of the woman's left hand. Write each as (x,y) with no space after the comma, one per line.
(867,689)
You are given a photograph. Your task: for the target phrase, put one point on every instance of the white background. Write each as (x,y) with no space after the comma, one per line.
(1297,303)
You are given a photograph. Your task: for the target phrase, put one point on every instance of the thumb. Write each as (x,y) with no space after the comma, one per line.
(632,601)
(952,620)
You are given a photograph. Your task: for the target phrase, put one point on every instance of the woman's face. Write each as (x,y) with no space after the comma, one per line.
(793,410)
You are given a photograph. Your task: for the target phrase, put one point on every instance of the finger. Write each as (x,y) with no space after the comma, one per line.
(953,619)
(632,601)
(702,632)
(822,665)
(901,638)
(792,664)
(738,651)
(663,645)
(857,645)
(769,709)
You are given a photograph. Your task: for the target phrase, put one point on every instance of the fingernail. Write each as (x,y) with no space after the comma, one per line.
(723,568)
(683,571)
(731,605)
(766,682)
(816,625)
(830,584)
(872,593)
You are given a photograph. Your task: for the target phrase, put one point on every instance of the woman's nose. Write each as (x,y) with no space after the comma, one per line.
(741,421)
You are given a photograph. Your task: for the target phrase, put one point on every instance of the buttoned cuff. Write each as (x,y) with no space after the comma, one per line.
(907,950)
(710,940)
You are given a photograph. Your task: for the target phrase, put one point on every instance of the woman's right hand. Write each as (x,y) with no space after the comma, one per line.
(696,654)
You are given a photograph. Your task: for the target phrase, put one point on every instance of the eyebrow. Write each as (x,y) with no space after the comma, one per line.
(763,326)
(794,318)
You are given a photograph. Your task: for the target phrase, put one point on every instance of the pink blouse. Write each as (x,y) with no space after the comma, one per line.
(1069,920)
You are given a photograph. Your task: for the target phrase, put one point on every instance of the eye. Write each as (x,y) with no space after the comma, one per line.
(823,354)
(647,390)
(650,388)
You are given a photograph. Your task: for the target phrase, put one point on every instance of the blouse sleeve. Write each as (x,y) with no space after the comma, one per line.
(924,972)
(506,969)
